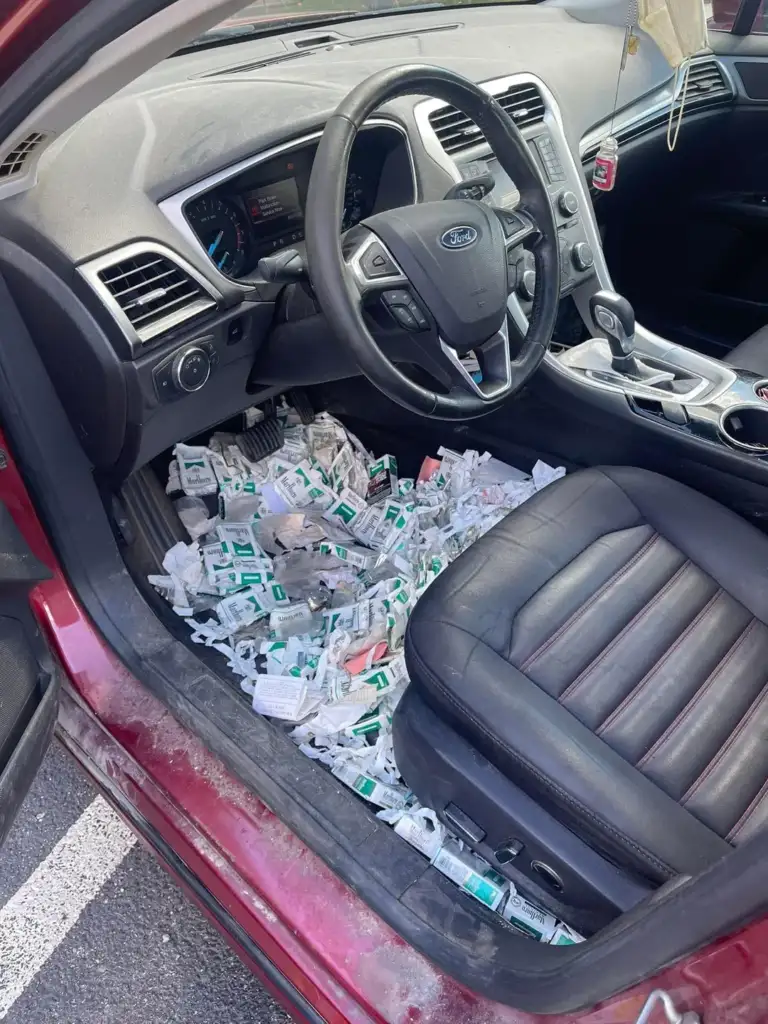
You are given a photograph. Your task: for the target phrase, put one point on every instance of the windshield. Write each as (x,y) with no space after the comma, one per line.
(266,15)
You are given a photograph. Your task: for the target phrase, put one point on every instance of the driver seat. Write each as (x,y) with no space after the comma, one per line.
(588,706)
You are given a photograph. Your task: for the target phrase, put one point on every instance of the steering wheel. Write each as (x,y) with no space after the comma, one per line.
(445,262)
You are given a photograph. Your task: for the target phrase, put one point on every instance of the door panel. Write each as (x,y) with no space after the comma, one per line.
(687,232)
(29,681)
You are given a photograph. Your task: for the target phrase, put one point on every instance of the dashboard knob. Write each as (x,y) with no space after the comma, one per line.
(191,369)
(582,256)
(568,203)
(527,284)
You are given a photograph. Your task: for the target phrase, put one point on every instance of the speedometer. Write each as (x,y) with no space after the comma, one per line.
(222,230)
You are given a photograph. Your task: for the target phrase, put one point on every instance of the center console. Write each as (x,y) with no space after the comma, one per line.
(700,400)
(710,412)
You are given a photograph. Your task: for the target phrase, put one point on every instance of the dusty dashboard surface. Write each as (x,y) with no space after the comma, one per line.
(156,208)
(199,114)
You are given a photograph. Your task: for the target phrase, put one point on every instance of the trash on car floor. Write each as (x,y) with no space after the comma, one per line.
(302,572)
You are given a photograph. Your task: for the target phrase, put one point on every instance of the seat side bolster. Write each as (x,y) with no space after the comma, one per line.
(727,547)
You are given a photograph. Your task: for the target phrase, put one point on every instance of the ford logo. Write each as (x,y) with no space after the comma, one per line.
(459,237)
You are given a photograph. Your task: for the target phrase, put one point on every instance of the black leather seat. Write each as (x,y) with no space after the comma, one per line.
(605,647)
(752,354)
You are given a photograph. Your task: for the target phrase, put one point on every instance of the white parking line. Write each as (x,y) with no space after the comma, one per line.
(41,913)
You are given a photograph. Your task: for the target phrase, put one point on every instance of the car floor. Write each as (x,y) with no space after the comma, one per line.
(409,442)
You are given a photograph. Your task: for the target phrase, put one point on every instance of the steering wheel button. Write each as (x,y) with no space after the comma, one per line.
(404,317)
(397,297)
(418,316)
(375,262)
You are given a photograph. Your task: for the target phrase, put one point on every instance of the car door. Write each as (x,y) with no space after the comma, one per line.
(720,223)
(29,675)
(35,57)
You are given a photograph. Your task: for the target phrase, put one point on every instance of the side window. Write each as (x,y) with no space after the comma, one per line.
(722,15)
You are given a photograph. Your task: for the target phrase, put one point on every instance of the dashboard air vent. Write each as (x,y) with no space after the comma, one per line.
(154,293)
(456,131)
(707,87)
(16,161)
(706,81)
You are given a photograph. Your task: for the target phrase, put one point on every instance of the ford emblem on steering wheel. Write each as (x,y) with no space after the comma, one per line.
(459,237)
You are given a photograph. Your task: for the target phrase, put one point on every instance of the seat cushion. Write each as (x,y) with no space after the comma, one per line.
(752,354)
(606,647)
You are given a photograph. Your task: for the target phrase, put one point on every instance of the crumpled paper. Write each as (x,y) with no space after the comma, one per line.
(304,582)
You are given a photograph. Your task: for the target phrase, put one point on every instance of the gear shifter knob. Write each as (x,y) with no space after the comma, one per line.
(614,315)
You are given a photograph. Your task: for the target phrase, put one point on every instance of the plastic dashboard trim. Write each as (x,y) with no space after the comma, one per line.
(173,207)
(92,268)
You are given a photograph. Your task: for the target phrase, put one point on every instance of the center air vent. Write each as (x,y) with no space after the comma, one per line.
(456,131)
(149,289)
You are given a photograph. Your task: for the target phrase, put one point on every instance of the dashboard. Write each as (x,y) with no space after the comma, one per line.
(260,209)
(141,238)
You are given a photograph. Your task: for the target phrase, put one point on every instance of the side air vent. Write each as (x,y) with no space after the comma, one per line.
(455,131)
(16,162)
(149,291)
(706,82)
(707,88)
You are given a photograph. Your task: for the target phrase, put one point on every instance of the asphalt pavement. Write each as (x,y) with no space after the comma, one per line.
(121,944)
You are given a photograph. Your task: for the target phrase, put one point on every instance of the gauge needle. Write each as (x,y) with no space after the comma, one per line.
(215,243)
(223,260)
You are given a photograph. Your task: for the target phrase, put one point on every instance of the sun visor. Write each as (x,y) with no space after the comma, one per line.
(678,27)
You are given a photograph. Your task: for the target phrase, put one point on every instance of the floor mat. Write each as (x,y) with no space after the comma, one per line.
(302,571)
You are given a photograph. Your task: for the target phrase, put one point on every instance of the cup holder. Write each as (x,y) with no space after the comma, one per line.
(746,427)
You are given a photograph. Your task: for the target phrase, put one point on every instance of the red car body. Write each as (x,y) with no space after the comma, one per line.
(309,938)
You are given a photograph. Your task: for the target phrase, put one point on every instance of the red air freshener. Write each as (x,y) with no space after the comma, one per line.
(606,163)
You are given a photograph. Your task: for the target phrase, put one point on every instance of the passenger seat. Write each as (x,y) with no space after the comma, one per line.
(752,354)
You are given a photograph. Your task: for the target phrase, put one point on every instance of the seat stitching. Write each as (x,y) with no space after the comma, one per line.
(693,702)
(547,782)
(743,723)
(570,690)
(638,689)
(590,601)
(557,571)
(752,807)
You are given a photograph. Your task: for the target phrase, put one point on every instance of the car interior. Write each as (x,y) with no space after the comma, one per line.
(586,707)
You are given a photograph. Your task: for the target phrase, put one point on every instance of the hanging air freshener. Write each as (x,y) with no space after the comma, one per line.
(606,162)
(607,159)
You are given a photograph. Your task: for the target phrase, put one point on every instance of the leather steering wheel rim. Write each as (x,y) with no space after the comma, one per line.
(329,271)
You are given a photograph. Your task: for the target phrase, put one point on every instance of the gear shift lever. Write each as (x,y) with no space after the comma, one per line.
(615,317)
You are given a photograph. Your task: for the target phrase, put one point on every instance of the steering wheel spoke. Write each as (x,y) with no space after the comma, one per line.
(493,358)
(518,226)
(370,264)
